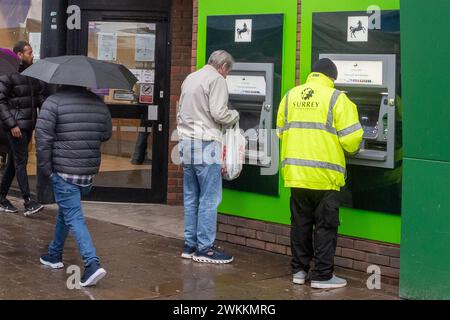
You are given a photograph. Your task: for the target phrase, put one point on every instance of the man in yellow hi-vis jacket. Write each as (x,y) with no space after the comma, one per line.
(317,125)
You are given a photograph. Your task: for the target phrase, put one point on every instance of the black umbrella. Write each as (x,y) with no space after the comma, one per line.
(9,62)
(82,71)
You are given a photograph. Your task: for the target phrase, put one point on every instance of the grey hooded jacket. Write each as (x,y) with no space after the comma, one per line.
(70,128)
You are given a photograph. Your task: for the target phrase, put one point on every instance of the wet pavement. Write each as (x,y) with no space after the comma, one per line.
(147,264)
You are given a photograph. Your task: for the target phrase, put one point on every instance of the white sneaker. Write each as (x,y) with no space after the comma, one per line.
(299,277)
(333,283)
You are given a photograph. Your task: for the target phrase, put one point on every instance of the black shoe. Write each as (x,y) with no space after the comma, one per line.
(32,207)
(7,206)
(93,273)
(137,162)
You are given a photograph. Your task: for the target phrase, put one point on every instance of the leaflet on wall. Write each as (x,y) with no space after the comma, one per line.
(145,47)
(107,46)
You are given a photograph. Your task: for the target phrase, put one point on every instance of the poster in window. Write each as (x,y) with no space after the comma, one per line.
(148,76)
(107,46)
(145,47)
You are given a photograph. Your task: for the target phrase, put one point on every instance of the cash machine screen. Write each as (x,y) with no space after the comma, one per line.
(359,72)
(246,84)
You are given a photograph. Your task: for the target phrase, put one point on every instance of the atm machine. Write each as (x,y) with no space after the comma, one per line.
(250,88)
(369,81)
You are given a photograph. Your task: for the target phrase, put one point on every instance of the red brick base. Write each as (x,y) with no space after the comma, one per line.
(351,253)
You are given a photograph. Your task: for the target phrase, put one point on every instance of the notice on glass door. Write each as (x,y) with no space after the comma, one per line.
(148,76)
(144,75)
(145,47)
(107,47)
(146,93)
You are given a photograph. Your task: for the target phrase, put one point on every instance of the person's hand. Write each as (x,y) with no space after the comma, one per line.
(16,132)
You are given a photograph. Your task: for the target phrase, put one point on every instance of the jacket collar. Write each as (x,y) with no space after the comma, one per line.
(211,68)
(320,78)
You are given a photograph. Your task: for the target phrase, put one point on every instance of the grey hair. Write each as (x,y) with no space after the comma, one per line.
(220,58)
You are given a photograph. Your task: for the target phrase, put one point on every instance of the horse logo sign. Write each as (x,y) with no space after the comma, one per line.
(243,30)
(357,29)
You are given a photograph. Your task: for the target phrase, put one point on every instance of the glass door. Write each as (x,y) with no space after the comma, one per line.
(134,161)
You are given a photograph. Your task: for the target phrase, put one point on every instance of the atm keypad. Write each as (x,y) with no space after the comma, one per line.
(370,132)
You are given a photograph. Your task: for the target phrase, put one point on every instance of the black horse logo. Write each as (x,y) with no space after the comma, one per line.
(360,27)
(244,29)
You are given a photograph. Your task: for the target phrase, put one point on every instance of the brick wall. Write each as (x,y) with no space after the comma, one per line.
(299,24)
(181,39)
(351,253)
(194,35)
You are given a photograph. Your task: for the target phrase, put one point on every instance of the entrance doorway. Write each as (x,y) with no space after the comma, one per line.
(134,160)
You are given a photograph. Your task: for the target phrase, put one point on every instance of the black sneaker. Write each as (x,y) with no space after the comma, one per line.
(6,206)
(32,207)
(212,255)
(188,252)
(93,273)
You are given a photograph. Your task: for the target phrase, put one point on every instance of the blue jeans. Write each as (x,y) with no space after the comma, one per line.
(202,187)
(70,218)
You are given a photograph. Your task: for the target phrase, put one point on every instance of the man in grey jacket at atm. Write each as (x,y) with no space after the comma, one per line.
(202,116)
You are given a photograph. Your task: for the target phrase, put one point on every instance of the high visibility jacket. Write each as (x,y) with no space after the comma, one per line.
(317,124)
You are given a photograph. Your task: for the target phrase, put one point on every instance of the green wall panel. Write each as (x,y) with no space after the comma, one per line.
(425,254)
(363,224)
(426,74)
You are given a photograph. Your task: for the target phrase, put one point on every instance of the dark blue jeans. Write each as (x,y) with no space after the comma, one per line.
(70,218)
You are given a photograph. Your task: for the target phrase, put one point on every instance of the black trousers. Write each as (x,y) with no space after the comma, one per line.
(314,225)
(17,164)
(140,148)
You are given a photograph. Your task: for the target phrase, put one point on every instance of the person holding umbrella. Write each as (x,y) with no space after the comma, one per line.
(70,128)
(20,97)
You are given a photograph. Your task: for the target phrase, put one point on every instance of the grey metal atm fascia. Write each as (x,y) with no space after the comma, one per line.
(265,121)
(369,157)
